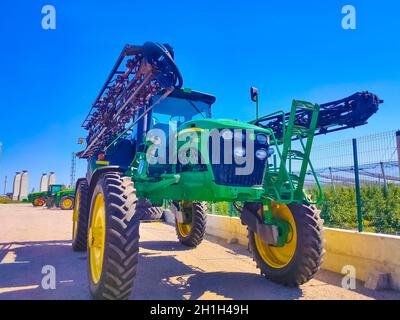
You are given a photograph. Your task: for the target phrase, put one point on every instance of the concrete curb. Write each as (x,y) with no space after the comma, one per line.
(373,256)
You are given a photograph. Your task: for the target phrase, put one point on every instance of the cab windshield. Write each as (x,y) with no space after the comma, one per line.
(179,110)
(55,188)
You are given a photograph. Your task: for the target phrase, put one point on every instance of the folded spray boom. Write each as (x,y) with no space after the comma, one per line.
(349,112)
(140,73)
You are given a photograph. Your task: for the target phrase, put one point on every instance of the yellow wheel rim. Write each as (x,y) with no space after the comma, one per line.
(38,202)
(279,257)
(184,229)
(75,216)
(67,203)
(97,236)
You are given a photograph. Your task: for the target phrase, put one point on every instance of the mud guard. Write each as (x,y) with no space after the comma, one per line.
(267,232)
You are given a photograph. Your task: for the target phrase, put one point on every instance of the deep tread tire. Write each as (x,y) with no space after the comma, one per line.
(198,225)
(79,243)
(309,252)
(152,213)
(65,198)
(121,247)
(50,202)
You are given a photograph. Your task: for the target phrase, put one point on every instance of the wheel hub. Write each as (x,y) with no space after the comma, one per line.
(67,203)
(279,256)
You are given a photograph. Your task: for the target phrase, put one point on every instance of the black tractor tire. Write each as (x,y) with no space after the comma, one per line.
(62,205)
(197,227)
(81,210)
(153,213)
(50,202)
(121,245)
(308,255)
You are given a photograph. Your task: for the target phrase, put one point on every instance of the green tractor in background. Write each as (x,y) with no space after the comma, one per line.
(150,142)
(57,195)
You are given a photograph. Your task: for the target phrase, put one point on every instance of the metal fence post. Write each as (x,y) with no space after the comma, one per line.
(385,186)
(332,181)
(358,191)
(398,149)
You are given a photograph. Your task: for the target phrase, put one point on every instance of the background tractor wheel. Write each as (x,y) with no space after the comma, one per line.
(300,258)
(66,203)
(191,234)
(113,239)
(39,202)
(80,217)
(50,202)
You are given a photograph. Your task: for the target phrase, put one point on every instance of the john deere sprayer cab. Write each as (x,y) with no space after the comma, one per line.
(57,195)
(150,142)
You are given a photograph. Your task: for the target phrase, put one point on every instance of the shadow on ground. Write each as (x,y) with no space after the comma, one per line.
(161,275)
(176,281)
(21,270)
(164,246)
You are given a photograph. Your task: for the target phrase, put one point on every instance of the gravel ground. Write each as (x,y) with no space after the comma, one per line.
(31,238)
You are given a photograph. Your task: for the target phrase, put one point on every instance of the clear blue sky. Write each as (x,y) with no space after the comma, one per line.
(289,49)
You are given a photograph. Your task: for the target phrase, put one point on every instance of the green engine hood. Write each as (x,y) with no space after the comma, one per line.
(37,194)
(221,124)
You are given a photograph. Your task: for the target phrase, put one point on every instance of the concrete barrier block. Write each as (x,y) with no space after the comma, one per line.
(377,281)
(233,240)
(395,281)
(375,257)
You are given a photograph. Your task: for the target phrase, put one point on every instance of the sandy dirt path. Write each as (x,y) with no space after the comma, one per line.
(31,238)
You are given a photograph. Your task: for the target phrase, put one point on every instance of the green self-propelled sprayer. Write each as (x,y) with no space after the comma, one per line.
(152,143)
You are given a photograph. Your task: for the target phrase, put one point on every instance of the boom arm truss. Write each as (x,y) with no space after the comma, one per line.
(140,73)
(349,112)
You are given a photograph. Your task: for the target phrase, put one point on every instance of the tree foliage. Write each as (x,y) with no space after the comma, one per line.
(380,210)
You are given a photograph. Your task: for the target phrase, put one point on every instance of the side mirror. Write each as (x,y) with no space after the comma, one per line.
(254,94)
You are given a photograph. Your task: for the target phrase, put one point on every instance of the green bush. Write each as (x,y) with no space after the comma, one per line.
(381,212)
(8,200)
(224,209)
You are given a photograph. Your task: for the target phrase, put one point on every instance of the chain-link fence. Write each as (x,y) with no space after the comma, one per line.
(377,155)
(360,180)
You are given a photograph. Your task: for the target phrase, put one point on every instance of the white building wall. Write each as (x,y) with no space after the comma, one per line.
(52,178)
(16,186)
(44,181)
(23,191)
